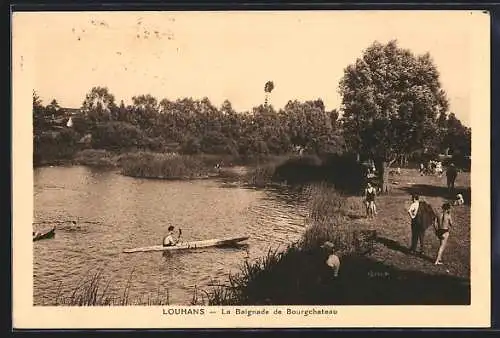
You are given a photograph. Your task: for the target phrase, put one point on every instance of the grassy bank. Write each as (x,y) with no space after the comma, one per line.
(376,267)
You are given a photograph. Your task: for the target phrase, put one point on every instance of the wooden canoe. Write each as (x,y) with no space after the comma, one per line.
(221,242)
(45,235)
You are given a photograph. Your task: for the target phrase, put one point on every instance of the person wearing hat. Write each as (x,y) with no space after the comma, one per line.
(333,260)
(169,240)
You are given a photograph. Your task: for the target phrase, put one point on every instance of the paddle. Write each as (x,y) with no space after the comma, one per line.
(179,237)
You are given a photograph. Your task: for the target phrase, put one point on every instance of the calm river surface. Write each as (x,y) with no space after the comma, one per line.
(116,212)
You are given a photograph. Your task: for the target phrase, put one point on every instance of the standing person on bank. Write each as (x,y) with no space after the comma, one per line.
(412,211)
(371,208)
(451,176)
(443,231)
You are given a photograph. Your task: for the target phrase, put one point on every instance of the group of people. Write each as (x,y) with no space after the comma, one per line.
(370,191)
(437,168)
(433,167)
(442,226)
(443,223)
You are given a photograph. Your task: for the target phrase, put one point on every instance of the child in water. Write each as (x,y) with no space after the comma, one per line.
(443,230)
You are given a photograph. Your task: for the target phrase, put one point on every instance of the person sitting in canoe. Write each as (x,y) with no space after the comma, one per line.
(169,240)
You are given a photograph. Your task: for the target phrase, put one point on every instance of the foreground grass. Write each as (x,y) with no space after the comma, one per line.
(94,290)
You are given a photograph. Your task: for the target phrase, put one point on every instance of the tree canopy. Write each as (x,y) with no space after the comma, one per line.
(391,102)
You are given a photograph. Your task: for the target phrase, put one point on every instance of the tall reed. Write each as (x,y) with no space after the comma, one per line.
(160,165)
(289,275)
(94,290)
(96,158)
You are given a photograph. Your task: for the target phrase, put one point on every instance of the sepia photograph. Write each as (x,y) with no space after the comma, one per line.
(248,164)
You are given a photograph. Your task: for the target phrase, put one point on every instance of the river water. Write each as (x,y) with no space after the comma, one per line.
(116,212)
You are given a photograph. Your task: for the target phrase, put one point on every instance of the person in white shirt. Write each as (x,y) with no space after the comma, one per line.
(413,211)
(333,260)
(459,199)
(439,169)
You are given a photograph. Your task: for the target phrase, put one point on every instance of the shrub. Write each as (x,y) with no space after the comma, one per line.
(96,157)
(117,135)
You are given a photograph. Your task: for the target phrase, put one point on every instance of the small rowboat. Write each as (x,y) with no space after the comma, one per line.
(221,242)
(45,235)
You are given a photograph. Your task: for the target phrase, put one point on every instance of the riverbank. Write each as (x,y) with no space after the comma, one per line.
(376,266)
(261,171)
(144,164)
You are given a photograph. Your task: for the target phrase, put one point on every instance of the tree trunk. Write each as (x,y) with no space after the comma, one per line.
(383,169)
(384,177)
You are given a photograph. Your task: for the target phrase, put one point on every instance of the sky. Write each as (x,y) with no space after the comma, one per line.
(230,55)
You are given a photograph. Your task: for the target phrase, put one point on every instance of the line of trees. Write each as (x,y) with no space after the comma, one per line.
(393,108)
(193,126)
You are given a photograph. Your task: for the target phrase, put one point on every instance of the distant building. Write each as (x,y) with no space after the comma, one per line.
(69,112)
(64,118)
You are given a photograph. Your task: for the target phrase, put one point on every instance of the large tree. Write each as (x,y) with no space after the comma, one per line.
(391,102)
(99,104)
(457,137)
(144,112)
(310,126)
(53,109)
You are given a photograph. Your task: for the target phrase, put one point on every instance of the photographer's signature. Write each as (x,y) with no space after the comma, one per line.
(378,274)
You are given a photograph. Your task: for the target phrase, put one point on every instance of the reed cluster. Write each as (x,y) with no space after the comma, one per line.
(292,275)
(163,165)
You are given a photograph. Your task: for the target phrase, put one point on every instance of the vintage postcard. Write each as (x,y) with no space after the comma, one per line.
(251,169)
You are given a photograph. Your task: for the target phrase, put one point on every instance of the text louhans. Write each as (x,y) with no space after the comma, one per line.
(250,311)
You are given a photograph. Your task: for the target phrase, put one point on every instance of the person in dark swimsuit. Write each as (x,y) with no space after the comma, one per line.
(451,176)
(443,231)
(371,208)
